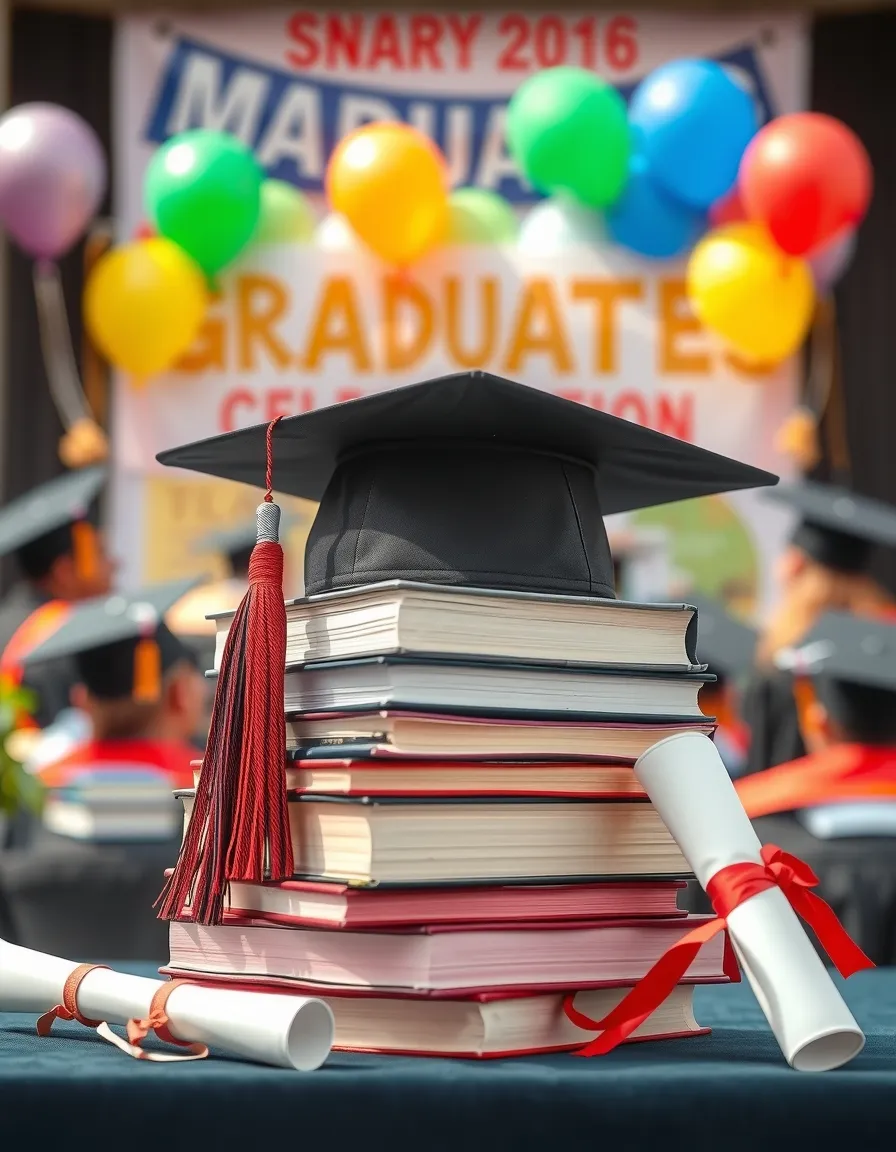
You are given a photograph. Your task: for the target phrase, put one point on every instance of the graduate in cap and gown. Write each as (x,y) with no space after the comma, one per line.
(82,879)
(824,569)
(728,647)
(52,533)
(470,481)
(835,807)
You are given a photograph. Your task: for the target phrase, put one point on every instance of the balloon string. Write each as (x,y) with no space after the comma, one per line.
(56,345)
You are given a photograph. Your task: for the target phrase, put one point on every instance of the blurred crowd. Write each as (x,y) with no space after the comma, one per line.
(107,702)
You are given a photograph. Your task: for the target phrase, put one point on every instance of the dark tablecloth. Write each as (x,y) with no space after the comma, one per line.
(728,1091)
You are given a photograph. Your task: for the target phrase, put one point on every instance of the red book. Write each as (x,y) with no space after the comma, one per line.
(445,959)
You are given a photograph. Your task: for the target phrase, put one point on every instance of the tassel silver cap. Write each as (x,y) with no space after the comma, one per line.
(267,519)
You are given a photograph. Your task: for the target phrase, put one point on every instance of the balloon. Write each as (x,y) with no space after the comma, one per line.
(391,184)
(203,191)
(52,178)
(745,289)
(807,177)
(729,210)
(143,305)
(693,122)
(559,224)
(480,217)
(830,262)
(286,216)
(648,221)
(334,234)
(567,130)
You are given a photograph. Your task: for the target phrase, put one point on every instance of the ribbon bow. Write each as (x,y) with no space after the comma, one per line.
(727,890)
(157,1021)
(68,1009)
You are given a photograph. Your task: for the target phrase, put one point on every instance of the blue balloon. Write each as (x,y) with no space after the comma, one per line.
(649,221)
(693,121)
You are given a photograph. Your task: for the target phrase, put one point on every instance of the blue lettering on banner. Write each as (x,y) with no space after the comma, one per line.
(293,121)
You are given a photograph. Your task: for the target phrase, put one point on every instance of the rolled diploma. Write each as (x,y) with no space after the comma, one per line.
(286,1031)
(693,793)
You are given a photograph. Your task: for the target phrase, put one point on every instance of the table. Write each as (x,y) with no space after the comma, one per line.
(728,1091)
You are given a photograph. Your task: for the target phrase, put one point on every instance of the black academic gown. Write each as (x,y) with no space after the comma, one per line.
(769,711)
(52,681)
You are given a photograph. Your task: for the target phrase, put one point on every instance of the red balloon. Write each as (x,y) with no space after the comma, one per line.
(729,210)
(806,176)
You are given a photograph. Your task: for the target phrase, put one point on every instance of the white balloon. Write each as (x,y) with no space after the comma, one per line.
(334,234)
(556,224)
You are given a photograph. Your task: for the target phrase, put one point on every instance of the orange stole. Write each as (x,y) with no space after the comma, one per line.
(36,628)
(844,772)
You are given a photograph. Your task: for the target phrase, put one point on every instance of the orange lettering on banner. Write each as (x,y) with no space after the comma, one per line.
(538,308)
(261,301)
(336,327)
(606,295)
(676,323)
(482,352)
(403,297)
(209,350)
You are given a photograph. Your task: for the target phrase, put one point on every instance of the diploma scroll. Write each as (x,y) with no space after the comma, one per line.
(693,793)
(285,1031)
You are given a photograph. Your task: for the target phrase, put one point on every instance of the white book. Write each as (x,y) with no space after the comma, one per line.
(400,616)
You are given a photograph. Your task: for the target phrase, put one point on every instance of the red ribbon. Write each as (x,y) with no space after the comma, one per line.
(727,890)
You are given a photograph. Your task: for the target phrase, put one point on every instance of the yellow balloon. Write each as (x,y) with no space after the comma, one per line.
(749,292)
(143,305)
(391,184)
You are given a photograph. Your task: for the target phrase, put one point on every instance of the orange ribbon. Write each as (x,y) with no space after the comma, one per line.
(157,1021)
(727,890)
(68,1009)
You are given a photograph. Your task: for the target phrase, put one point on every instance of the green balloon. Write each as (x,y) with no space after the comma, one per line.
(203,191)
(480,217)
(568,131)
(286,216)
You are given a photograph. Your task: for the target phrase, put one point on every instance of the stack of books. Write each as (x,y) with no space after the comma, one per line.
(471,843)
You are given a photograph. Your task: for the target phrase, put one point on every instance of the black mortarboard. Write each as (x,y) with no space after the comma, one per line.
(104,637)
(468,479)
(852,660)
(724,643)
(37,525)
(838,528)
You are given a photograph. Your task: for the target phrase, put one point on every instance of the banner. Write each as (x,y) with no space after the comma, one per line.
(295,327)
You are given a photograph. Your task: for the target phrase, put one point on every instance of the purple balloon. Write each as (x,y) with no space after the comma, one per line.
(52,177)
(830,262)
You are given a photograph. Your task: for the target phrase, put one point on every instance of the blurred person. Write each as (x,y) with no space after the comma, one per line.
(728,647)
(52,533)
(835,807)
(825,568)
(81,879)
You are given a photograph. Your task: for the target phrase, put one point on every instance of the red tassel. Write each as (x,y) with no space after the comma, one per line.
(239,829)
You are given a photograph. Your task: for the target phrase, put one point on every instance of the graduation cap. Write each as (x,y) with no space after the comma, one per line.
(52,520)
(120,643)
(724,643)
(467,480)
(852,663)
(838,528)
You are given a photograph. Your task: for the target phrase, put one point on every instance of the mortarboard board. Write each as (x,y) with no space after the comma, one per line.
(852,660)
(38,524)
(105,636)
(838,528)
(724,643)
(468,479)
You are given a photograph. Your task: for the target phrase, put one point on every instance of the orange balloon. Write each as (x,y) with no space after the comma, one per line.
(391,183)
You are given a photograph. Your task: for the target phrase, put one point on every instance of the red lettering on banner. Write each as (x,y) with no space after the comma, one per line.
(232,402)
(385,45)
(426,36)
(464,29)
(279,403)
(516,30)
(306,52)
(343,37)
(672,415)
